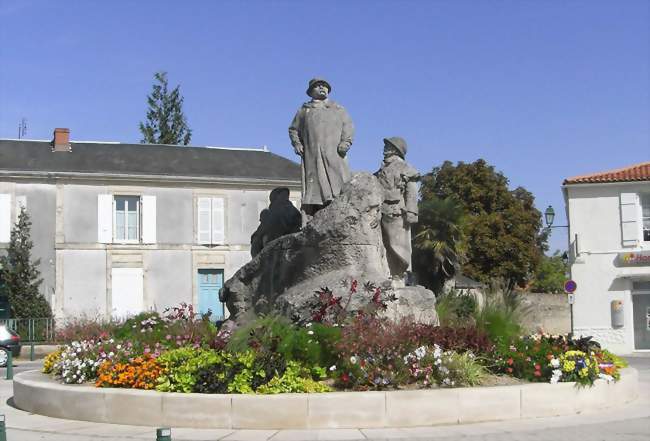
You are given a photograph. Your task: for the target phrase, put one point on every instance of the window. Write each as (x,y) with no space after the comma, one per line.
(211,221)
(645,216)
(127,219)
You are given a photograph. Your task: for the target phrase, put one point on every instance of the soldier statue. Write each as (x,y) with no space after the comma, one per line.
(400,207)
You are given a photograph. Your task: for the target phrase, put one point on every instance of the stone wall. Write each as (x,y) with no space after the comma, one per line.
(548,311)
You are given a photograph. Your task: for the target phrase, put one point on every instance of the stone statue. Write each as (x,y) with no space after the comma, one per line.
(321,133)
(399,209)
(279,219)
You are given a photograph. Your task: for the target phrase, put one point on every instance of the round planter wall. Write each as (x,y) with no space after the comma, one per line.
(38,393)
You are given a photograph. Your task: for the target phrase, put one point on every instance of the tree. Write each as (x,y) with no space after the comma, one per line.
(20,276)
(438,241)
(166,123)
(503,232)
(551,274)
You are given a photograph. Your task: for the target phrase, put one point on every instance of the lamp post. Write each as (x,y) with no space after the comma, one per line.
(549,217)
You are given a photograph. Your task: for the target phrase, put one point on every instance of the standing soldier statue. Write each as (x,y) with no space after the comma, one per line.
(321,133)
(400,207)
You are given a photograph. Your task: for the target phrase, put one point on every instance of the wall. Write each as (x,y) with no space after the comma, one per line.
(550,312)
(41,206)
(82,291)
(168,278)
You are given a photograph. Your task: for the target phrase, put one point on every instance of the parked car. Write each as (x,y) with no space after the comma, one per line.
(9,341)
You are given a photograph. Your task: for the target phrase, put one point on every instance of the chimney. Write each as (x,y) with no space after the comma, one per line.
(61,141)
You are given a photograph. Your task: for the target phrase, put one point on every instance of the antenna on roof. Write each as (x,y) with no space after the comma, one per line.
(22,128)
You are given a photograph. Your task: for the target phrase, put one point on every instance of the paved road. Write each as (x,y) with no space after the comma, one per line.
(22,365)
(627,423)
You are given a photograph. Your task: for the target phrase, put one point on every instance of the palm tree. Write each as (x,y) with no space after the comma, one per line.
(438,241)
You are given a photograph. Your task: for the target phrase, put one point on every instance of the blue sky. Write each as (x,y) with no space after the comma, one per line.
(542,90)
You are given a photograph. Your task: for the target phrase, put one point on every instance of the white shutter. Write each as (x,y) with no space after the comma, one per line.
(148,219)
(218,221)
(629,219)
(203,227)
(21,202)
(5,218)
(104,218)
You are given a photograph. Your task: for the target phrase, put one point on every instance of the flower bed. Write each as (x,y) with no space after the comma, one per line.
(338,350)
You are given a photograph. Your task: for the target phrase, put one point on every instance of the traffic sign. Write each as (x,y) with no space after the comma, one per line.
(570,286)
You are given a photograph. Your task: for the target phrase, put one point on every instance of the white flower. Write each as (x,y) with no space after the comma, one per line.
(333,367)
(310,332)
(555,363)
(110,354)
(308,325)
(353,360)
(119,346)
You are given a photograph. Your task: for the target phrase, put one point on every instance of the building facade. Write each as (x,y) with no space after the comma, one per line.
(123,228)
(609,241)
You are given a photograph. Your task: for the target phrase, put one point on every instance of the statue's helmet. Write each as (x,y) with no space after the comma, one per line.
(316,81)
(398,143)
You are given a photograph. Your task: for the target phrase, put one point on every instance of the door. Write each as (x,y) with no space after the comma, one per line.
(641,308)
(210,282)
(127,292)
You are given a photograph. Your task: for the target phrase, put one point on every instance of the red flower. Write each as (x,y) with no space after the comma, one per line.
(537,374)
(510,361)
(509,370)
(537,367)
(345,377)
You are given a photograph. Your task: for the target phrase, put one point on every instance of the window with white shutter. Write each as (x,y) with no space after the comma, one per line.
(211,221)
(218,227)
(5,218)
(148,219)
(629,219)
(104,218)
(645,216)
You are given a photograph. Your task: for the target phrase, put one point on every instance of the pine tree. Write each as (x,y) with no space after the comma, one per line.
(20,276)
(166,123)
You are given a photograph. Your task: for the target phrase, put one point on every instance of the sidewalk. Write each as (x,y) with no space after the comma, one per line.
(629,422)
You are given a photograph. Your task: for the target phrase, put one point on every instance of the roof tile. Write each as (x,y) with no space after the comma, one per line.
(637,172)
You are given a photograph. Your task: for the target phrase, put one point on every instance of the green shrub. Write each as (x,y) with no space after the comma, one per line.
(296,379)
(455,307)
(502,313)
(180,367)
(313,345)
(466,369)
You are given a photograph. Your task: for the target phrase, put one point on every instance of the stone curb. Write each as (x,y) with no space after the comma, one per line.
(37,393)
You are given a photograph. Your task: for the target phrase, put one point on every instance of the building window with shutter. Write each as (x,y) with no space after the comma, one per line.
(126,219)
(211,221)
(126,215)
(645,216)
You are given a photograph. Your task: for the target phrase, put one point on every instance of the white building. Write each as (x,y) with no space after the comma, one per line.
(122,228)
(609,240)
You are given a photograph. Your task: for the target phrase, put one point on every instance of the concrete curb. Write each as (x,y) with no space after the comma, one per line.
(37,393)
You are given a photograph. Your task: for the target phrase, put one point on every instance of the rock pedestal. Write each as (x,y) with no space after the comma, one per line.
(342,242)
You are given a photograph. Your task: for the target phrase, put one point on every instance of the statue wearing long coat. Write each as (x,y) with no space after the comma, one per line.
(325,131)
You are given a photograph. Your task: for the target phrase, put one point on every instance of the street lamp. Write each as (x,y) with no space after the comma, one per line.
(549,216)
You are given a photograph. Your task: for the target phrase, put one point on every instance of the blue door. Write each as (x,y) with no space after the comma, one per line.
(210,281)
